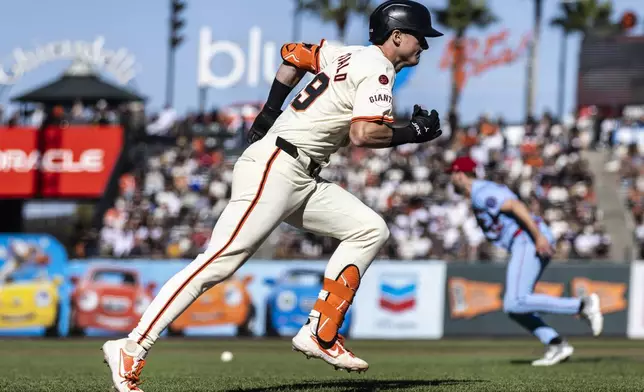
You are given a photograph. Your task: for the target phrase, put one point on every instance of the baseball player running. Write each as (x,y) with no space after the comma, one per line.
(276,179)
(507,222)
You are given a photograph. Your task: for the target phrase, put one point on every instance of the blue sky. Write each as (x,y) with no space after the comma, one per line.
(141,27)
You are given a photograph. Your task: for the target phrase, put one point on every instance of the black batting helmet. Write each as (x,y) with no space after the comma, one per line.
(404,15)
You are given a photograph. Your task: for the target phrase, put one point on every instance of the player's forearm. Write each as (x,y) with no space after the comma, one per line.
(521,212)
(370,135)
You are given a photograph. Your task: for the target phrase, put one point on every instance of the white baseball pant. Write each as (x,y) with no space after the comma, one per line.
(269,186)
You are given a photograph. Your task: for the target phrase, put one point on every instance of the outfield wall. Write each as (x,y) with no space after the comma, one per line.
(475,298)
(52,296)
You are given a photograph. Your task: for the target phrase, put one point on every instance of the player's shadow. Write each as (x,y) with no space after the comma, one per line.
(611,359)
(358,385)
(575,360)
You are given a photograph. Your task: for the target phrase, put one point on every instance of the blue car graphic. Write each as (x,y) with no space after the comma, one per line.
(292,298)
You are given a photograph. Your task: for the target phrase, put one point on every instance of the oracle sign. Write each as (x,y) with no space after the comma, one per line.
(55,160)
(75,162)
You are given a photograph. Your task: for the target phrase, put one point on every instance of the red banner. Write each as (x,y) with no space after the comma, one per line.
(76,161)
(17,148)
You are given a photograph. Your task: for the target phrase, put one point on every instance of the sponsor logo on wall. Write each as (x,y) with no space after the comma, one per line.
(75,161)
(400,305)
(398,293)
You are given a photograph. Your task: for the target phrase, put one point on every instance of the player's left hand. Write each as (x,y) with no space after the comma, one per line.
(427,125)
(544,249)
(263,122)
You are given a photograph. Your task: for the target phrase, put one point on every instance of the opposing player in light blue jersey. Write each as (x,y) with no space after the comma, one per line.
(507,222)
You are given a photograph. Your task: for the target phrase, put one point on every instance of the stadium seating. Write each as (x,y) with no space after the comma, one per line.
(167,207)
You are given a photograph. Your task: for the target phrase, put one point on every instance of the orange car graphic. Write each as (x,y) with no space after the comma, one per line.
(109,298)
(228,303)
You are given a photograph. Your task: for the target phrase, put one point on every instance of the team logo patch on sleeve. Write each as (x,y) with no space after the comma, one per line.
(490,202)
(383,79)
(381,98)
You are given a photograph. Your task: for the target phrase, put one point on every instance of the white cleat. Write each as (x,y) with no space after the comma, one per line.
(125,358)
(555,353)
(592,313)
(337,356)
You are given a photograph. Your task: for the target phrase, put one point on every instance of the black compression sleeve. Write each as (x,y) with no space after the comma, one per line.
(402,135)
(277,95)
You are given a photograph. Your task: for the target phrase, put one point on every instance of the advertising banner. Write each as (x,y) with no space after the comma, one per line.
(16,173)
(636,301)
(34,294)
(400,300)
(75,162)
(263,298)
(475,298)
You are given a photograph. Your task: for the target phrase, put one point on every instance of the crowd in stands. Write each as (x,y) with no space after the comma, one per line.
(632,172)
(169,204)
(625,138)
(78,113)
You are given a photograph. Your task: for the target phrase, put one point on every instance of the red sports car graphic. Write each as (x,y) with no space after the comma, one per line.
(111,299)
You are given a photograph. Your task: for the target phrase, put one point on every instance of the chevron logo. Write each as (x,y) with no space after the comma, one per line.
(398,294)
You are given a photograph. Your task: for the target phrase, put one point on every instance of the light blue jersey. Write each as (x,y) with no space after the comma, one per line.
(498,227)
(524,267)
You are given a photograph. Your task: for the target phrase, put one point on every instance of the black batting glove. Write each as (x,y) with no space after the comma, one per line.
(263,122)
(427,126)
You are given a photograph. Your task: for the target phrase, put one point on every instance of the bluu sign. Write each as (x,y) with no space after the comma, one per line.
(257,64)
(242,63)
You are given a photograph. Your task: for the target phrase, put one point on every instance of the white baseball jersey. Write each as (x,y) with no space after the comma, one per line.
(270,187)
(352,83)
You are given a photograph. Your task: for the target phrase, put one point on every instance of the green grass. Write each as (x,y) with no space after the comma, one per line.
(261,365)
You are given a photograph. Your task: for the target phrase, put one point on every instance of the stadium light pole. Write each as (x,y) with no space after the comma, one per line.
(202,98)
(174,41)
(531,69)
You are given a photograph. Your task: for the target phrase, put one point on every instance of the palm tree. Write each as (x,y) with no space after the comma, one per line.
(585,17)
(533,58)
(337,12)
(459,16)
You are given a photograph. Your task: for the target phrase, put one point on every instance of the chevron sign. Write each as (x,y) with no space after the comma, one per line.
(398,293)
